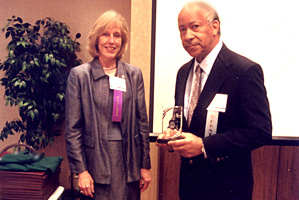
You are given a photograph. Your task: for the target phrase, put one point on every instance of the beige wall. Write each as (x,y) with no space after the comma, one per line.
(78,14)
(140,55)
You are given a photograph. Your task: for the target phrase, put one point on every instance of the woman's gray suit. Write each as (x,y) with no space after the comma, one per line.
(86,123)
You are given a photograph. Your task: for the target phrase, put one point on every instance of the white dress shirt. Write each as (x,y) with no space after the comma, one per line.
(206,66)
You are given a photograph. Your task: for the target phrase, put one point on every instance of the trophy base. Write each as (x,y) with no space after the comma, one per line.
(153,137)
(166,140)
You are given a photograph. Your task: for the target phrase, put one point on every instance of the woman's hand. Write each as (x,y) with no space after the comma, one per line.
(86,184)
(145,180)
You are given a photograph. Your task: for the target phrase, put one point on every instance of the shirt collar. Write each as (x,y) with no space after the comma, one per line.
(207,63)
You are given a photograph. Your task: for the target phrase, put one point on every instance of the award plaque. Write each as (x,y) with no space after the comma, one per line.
(173,121)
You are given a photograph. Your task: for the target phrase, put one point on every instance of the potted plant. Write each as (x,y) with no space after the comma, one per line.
(40,56)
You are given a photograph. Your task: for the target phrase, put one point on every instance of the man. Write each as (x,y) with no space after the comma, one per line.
(230,115)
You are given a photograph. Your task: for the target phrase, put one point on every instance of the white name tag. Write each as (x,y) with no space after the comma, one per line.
(217,105)
(117,83)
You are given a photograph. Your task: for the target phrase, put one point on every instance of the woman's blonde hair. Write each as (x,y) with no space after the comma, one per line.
(101,23)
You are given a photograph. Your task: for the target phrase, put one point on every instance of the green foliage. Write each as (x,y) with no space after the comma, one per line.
(39,58)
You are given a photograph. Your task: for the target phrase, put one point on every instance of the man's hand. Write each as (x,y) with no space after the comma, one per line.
(145,180)
(188,147)
(86,184)
(162,140)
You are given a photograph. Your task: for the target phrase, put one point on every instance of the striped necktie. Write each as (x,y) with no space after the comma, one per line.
(195,92)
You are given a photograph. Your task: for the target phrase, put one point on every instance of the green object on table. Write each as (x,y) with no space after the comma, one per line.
(33,162)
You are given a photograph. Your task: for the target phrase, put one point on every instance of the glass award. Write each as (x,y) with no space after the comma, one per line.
(172,118)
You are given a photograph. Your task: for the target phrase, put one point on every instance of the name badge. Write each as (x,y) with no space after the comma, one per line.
(217,105)
(117,83)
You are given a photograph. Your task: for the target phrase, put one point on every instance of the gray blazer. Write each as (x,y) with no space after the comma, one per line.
(87,125)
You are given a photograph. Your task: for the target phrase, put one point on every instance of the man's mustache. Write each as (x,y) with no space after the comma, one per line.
(191,44)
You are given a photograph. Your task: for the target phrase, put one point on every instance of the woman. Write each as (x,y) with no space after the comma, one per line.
(106,121)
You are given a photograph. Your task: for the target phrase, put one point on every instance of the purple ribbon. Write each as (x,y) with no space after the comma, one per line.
(117,105)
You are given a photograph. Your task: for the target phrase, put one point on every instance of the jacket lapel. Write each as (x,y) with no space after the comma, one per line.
(215,80)
(180,89)
(181,83)
(96,69)
(219,73)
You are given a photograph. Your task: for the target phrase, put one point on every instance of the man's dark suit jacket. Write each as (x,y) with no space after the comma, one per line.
(245,125)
